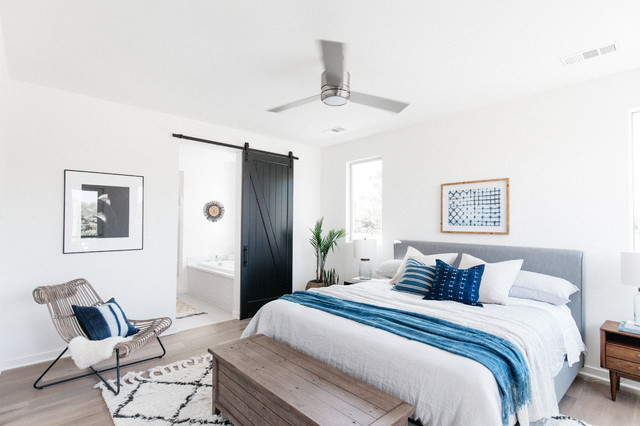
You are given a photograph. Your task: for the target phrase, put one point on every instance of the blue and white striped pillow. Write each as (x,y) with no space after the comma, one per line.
(102,321)
(417,278)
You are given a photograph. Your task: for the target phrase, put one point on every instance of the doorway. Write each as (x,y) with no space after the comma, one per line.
(207,241)
(262,258)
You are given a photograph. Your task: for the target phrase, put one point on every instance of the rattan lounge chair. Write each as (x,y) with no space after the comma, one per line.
(59,299)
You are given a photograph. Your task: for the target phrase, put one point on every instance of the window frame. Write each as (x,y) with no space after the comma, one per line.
(350,200)
(634,151)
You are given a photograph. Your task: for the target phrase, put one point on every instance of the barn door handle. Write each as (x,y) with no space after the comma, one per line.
(244,255)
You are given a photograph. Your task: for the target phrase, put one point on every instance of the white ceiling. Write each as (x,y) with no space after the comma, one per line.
(228,62)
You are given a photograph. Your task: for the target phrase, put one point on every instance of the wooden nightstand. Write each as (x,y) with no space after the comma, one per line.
(620,354)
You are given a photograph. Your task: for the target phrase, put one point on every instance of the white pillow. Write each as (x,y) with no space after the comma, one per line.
(389,268)
(497,278)
(545,288)
(428,260)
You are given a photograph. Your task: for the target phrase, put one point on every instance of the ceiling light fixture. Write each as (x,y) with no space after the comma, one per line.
(335,95)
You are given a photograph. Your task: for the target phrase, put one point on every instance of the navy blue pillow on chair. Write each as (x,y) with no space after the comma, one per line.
(102,321)
(417,278)
(459,285)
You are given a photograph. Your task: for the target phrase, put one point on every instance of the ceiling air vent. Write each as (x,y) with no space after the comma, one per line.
(588,54)
(573,59)
(609,48)
(335,130)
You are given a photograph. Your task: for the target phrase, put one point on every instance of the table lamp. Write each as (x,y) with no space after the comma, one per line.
(630,275)
(364,250)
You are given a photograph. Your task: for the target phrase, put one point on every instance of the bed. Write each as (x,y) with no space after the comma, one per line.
(446,388)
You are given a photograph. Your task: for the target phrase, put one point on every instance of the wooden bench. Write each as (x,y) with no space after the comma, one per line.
(258,380)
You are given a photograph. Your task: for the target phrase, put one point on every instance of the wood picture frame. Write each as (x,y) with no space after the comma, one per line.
(102,212)
(475,207)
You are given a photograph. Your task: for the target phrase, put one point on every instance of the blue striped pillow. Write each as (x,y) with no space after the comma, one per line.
(417,278)
(459,285)
(102,321)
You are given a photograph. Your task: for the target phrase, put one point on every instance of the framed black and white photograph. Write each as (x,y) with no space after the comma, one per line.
(476,207)
(102,212)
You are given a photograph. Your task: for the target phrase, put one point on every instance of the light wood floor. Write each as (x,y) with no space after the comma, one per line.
(77,403)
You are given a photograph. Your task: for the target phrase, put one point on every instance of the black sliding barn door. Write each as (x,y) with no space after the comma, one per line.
(267,229)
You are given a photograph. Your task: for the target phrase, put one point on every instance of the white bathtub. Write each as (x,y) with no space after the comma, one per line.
(212,281)
(225,268)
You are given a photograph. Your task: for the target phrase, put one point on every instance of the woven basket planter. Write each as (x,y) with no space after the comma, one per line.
(313,284)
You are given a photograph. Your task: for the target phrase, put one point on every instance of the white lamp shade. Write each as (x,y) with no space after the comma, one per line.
(364,249)
(630,269)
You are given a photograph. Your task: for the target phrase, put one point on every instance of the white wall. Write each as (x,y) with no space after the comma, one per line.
(4,163)
(566,153)
(209,174)
(48,131)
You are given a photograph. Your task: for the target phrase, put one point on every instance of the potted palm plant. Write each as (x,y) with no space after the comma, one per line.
(321,245)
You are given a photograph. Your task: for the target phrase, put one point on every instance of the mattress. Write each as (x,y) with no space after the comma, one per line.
(447,389)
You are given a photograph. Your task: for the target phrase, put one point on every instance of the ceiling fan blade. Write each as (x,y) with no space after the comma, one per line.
(333,57)
(378,102)
(295,104)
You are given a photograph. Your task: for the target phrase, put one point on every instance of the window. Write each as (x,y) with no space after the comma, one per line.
(635,149)
(364,206)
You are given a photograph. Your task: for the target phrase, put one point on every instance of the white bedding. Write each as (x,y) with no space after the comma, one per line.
(447,389)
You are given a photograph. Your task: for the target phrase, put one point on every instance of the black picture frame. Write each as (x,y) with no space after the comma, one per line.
(102,212)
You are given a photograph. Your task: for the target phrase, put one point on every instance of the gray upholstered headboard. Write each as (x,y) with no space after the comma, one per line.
(561,263)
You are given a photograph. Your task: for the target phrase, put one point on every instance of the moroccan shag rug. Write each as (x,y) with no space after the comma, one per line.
(180,393)
(184,310)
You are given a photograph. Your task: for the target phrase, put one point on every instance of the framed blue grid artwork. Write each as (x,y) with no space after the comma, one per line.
(476,207)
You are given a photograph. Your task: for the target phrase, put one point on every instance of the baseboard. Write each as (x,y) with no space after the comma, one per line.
(600,374)
(171,330)
(9,364)
(235,314)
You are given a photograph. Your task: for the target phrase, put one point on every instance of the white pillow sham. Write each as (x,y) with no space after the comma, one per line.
(542,287)
(428,260)
(389,268)
(497,278)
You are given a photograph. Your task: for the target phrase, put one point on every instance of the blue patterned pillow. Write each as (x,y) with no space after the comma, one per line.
(106,320)
(459,285)
(417,278)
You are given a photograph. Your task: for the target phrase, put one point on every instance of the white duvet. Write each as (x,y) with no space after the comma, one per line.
(447,389)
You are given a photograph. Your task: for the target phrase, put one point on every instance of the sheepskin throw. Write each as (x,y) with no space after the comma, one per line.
(85,352)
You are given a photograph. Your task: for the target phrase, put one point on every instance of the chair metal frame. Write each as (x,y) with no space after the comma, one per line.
(59,299)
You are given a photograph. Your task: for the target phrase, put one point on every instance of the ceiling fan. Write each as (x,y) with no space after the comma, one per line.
(335,85)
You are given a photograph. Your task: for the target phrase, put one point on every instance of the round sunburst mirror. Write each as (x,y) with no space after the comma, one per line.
(213,211)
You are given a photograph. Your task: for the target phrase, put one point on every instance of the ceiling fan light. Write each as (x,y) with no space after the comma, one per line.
(336,92)
(335,97)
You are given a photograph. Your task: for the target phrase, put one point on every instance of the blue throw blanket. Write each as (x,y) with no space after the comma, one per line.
(500,356)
